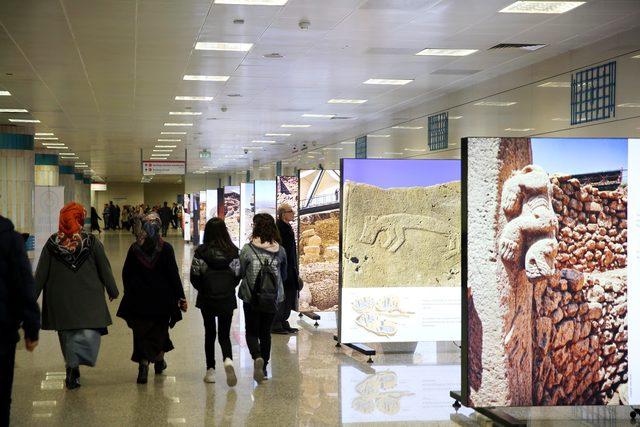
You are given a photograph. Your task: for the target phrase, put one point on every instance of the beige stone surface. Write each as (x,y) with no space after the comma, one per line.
(401,237)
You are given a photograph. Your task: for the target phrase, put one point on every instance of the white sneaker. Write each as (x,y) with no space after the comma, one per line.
(258,370)
(231,373)
(210,377)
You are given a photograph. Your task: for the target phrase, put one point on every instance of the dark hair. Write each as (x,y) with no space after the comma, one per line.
(217,236)
(264,228)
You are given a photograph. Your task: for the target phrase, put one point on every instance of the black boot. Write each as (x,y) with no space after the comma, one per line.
(264,370)
(159,366)
(72,380)
(143,373)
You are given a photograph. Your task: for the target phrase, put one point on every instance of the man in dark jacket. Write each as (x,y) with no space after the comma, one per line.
(18,308)
(165,216)
(280,322)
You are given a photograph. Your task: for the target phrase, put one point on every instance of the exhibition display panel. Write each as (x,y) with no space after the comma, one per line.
(549,265)
(202,216)
(246,212)
(265,197)
(186,217)
(212,204)
(232,212)
(318,245)
(287,192)
(195,218)
(400,251)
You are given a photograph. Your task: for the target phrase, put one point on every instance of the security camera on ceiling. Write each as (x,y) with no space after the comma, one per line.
(304,24)
(223,109)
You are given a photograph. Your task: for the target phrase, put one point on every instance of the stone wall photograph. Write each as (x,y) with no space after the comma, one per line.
(232,212)
(546,281)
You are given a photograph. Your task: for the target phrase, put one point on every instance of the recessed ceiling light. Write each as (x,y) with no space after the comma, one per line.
(559,119)
(407,127)
(44,133)
(394,82)
(55,147)
(173,133)
(374,135)
(5,93)
(555,84)
(635,57)
(162,151)
(542,6)
(629,105)
(46,138)
(519,129)
(347,142)
(253,2)
(59,144)
(446,52)
(169,140)
(24,121)
(295,126)
(455,117)
(495,103)
(178,124)
(263,141)
(415,150)
(319,116)
(185,113)
(346,101)
(232,47)
(13,110)
(67,154)
(193,98)
(388,153)
(165,146)
(204,78)
(277,134)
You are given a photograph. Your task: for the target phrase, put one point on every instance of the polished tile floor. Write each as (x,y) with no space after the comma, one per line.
(312,383)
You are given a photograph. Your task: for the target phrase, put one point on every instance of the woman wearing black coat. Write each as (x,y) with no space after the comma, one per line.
(214,272)
(153,296)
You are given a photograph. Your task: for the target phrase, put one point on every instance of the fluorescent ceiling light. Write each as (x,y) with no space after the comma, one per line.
(277,134)
(559,119)
(319,116)
(392,154)
(555,84)
(5,93)
(173,133)
(165,146)
(204,78)
(69,158)
(24,121)
(231,47)
(346,101)
(348,142)
(542,6)
(407,127)
(169,140)
(455,117)
(51,147)
(13,110)
(446,52)
(629,105)
(67,154)
(44,133)
(415,150)
(178,124)
(193,98)
(333,148)
(185,113)
(263,141)
(635,57)
(163,151)
(495,103)
(253,2)
(46,138)
(378,136)
(295,126)
(395,82)
(54,144)
(519,129)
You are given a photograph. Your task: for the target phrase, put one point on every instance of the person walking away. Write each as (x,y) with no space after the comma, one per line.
(153,297)
(263,268)
(73,273)
(112,215)
(174,216)
(18,308)
(105,215)
(281,321)
(213,274)
(165,216)
(117,219)
(95,225)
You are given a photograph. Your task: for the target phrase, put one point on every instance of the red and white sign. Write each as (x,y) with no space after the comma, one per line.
(163,167)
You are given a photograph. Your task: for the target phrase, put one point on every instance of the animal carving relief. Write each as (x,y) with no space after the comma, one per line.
(532,226)
(396,225)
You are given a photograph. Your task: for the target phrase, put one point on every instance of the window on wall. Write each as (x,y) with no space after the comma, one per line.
(593,94)
(438,131)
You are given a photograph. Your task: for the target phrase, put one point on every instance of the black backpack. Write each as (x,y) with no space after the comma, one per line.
(264,297)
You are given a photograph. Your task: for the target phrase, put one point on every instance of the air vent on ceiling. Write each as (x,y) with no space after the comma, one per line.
(453,72)
(234,95)
(411,5)
(341,118)
(273,55)
(522,46)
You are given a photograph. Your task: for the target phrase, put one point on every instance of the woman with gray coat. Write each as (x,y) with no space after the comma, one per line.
(73,273)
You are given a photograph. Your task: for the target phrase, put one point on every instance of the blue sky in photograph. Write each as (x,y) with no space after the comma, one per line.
(401,173)
(580,155)
(265,195)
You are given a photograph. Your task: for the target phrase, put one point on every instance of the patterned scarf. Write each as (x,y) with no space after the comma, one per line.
(70,245)
(148,241)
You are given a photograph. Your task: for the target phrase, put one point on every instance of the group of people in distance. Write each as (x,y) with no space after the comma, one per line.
(74,272)
(114,218)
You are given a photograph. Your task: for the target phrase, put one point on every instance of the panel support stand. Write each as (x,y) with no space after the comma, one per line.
(360,348)
(311,315)
(494,414)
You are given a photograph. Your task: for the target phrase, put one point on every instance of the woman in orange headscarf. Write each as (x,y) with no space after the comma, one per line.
(73,273)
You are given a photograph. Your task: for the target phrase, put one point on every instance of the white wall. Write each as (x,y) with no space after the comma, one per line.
(157,193)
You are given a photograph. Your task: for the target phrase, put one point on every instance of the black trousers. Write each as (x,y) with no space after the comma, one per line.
(281,319)
(224,338)
(258,332)
(165,227)
(7,362)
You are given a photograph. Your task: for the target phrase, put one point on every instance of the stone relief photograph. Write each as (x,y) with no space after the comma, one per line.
(546,285)
(232,212)
(318,249)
